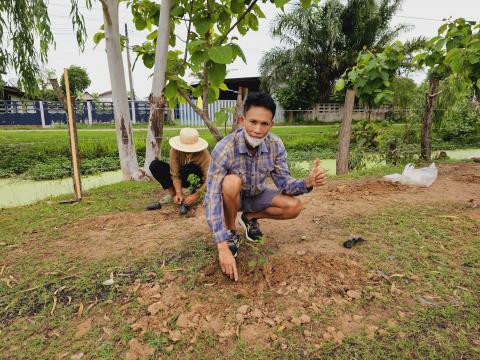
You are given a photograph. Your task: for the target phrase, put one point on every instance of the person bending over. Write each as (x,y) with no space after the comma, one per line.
(189,161)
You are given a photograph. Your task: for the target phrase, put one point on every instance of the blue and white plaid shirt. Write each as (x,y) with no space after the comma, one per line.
(230,156)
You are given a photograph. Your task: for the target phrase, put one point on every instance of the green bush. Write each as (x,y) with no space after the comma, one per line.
(461,124)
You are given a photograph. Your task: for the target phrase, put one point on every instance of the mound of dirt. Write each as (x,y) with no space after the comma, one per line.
(285,293)
(344,192)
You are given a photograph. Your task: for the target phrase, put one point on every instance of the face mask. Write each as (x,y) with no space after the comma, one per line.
(254,142)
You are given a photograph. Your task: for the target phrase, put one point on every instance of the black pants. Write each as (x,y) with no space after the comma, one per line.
(161,171)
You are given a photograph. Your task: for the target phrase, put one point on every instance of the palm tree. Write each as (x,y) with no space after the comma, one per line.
(319,43)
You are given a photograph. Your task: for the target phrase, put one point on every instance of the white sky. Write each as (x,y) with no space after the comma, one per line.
(414,12)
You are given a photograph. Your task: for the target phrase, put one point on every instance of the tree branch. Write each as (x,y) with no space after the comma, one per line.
(106,12)
(188,34)
(240,18)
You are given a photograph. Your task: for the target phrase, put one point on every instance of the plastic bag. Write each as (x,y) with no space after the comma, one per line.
(420,177)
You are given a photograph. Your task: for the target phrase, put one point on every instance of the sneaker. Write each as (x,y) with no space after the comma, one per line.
(252,229)
(233,243)
(183,209)
(167,199)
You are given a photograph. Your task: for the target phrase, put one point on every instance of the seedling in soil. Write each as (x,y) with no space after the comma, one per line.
(260,252)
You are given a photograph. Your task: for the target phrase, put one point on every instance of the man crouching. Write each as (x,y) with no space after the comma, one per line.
(240,166)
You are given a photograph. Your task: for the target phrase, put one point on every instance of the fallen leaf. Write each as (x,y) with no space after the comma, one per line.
(83,328)
(240,318)
(54,305)
(242,309)
(156,307)
(107,332)
(183,321)
(371,330)
(305,319)
(307,333)
(394,291)
(175,335)
(80,311)
(76,356)
(108,282)
(338,337)
(354,294)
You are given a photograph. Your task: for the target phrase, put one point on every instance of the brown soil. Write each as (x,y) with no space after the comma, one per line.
(319,228)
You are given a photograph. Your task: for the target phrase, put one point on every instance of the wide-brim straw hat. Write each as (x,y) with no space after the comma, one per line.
(188,141)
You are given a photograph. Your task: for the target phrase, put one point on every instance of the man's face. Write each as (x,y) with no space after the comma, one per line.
(258,121)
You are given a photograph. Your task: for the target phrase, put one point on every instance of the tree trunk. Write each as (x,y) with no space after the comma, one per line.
(157,96)
(241,97)
(430,100)
(344,140)
(123,123)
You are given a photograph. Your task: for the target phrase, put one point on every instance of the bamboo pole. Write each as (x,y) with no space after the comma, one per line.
(72,132)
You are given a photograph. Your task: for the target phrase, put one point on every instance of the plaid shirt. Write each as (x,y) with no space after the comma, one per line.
(230,156)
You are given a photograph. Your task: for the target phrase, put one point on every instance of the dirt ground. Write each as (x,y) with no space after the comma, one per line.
(318,228)
(308,271)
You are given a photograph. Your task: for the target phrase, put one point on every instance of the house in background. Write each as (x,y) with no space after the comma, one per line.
(11,93)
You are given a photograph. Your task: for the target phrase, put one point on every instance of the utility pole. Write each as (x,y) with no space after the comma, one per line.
(130,78)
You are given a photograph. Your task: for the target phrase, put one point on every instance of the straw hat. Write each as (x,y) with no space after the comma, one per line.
(188,141)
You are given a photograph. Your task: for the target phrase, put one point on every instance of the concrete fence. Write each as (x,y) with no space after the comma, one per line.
(49,113)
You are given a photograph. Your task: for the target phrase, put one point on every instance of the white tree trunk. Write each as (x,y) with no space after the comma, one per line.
(123,124)
(157,99)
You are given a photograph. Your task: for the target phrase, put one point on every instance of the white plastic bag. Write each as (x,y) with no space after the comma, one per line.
(420,177)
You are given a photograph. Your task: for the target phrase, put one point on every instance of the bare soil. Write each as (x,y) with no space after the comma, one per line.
(319,228)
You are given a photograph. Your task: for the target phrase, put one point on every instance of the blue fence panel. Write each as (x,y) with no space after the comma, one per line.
(29,112)
(19,113)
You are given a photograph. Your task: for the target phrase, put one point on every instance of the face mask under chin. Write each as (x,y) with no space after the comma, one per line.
(254,142)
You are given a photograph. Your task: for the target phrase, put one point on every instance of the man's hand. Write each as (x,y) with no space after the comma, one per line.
(191,199)
(178,198)
(227,261)
(317,177)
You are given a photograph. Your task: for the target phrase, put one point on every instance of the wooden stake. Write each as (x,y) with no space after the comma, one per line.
(72,133)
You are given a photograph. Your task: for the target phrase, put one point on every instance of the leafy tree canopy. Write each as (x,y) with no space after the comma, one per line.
(78,79)
(324,40)
(25,32)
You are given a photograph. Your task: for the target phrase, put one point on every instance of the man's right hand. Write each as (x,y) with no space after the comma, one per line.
(178,198)
(227,261)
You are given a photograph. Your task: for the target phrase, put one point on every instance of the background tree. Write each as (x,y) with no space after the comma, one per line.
(78,79)
(26,36)
(453,52)
(370,80)
(209,48)
(123,122)
(319,43)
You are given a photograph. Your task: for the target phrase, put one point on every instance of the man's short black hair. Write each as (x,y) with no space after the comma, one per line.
(260,99)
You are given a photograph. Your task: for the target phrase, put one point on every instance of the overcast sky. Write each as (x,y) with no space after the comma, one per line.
(425,17)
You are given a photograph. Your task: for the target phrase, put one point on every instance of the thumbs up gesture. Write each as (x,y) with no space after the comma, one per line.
(317,177)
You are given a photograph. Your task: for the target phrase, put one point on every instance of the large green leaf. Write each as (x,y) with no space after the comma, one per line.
(306,3)
(217,73)
(140,23)
(237,6)
(252,21)
(202,25)
(171,89)
(280,3)
(237,51)
(221,54)
(99,36)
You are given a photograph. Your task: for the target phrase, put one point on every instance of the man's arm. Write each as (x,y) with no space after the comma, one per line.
(213,199)
(281,176)
(175,174)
